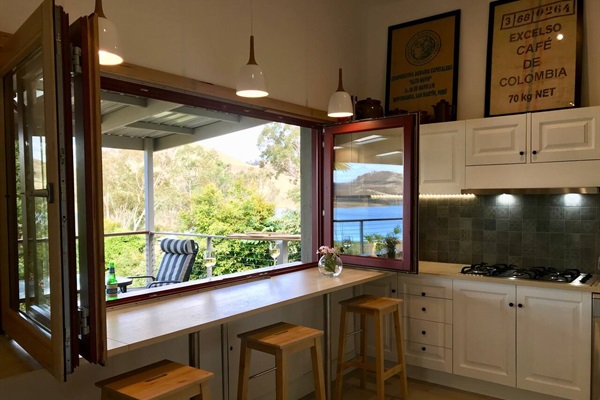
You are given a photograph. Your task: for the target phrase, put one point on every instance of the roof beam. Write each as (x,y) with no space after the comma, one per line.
(124,99)
(200,112)
(129,115)
(162,128)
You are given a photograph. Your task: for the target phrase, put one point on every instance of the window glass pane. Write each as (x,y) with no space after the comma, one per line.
(26,83)
(236,194)
(367,193)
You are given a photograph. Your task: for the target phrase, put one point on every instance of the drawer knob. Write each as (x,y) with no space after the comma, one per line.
(423,333)
(520,305)
(423,309)
(511,305)
(423,294)
(423,348)
(534,152)
(521,153)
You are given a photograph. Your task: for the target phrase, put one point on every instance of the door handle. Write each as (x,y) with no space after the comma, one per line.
(47,193)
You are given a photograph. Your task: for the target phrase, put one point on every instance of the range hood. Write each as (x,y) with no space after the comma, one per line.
(555,190)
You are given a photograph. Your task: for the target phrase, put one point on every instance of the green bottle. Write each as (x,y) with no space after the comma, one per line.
(112,285)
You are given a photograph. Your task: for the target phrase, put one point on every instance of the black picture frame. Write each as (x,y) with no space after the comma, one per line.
(530,67)
(422,65)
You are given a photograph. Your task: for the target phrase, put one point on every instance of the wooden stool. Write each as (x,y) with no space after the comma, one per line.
(281,340)
(164,380)
(377,307)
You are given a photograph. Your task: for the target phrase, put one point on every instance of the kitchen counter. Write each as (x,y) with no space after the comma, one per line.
(453,271)
(132,327)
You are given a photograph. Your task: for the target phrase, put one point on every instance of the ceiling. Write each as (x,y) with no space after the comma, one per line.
(129,121)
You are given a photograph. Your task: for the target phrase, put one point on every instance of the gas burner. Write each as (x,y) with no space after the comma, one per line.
(548,274)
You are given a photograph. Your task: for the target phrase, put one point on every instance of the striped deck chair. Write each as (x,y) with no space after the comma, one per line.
(176,264)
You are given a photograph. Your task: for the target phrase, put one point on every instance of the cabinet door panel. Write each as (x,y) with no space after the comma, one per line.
(442,158)
(429,309)
(484,331)
(554,342)
(566,135)
(497,140)
(432,357)
(427,287)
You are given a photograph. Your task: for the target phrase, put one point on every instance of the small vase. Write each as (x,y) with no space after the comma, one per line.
(330,265)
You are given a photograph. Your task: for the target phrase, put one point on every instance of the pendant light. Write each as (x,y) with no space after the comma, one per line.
(251,79)
(340,103)
(108,39)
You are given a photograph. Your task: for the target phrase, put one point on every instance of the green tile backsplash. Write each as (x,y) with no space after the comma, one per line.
(561,231)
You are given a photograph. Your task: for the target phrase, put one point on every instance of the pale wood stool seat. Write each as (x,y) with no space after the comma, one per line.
(281,340)
(164,380)
(376,307)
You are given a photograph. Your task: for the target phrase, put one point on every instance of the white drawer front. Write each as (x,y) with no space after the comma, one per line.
(430,287)
(427,332)
(429,309)
(427,356)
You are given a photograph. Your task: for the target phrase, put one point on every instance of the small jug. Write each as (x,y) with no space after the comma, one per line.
(442,111)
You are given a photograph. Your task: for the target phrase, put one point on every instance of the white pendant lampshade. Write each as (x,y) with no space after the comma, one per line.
(340,103)
(108,39)
(251,79)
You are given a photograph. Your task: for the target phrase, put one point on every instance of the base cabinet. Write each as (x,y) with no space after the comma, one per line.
(427,322)
(536,339)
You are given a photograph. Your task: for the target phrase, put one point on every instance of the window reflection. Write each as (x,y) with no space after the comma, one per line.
(368,185)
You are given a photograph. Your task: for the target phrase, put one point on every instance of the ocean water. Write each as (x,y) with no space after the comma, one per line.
(354,223)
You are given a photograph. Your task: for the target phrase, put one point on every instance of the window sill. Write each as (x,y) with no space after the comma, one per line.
(143,294)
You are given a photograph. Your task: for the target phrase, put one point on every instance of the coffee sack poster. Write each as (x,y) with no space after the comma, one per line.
(422,63)
(534,56)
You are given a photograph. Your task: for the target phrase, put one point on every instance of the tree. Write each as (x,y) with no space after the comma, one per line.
(279,146)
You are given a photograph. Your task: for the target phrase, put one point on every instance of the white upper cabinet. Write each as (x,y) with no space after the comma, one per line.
(442,158)
(498,140)
(565,135)
(552,149)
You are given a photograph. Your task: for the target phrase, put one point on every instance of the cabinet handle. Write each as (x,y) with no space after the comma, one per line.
(423,294)
(393,290)
(423,309)
(511,304)
(534,152)
(423,333)
(520,305)
(423,348)
(521,153)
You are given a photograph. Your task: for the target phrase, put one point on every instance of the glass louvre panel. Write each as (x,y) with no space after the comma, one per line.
(368,175)
(26,84)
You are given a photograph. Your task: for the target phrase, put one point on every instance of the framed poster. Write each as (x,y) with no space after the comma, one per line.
(422,64)
(534,56)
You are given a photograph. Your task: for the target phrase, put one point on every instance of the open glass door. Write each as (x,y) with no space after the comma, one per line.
(38,254)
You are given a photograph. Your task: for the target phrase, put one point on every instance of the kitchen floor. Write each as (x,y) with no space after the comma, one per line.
(417,390)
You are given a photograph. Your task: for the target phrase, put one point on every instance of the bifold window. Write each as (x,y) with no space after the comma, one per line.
(225,185)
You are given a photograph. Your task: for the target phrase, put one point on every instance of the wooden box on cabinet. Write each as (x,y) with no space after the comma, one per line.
(427,321)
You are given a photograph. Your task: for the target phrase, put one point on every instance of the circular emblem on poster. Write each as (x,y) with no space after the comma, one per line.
(423,47)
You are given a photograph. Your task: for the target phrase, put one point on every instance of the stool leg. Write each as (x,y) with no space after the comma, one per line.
(339,376)
(281,362)
(379,357)
(205,386)
(363,350)
(317,366)
(400,352)
(244,371)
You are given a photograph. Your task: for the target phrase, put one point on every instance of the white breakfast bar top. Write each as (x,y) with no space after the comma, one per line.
(134,326)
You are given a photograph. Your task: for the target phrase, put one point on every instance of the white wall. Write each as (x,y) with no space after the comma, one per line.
(299,44)
(472,48)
